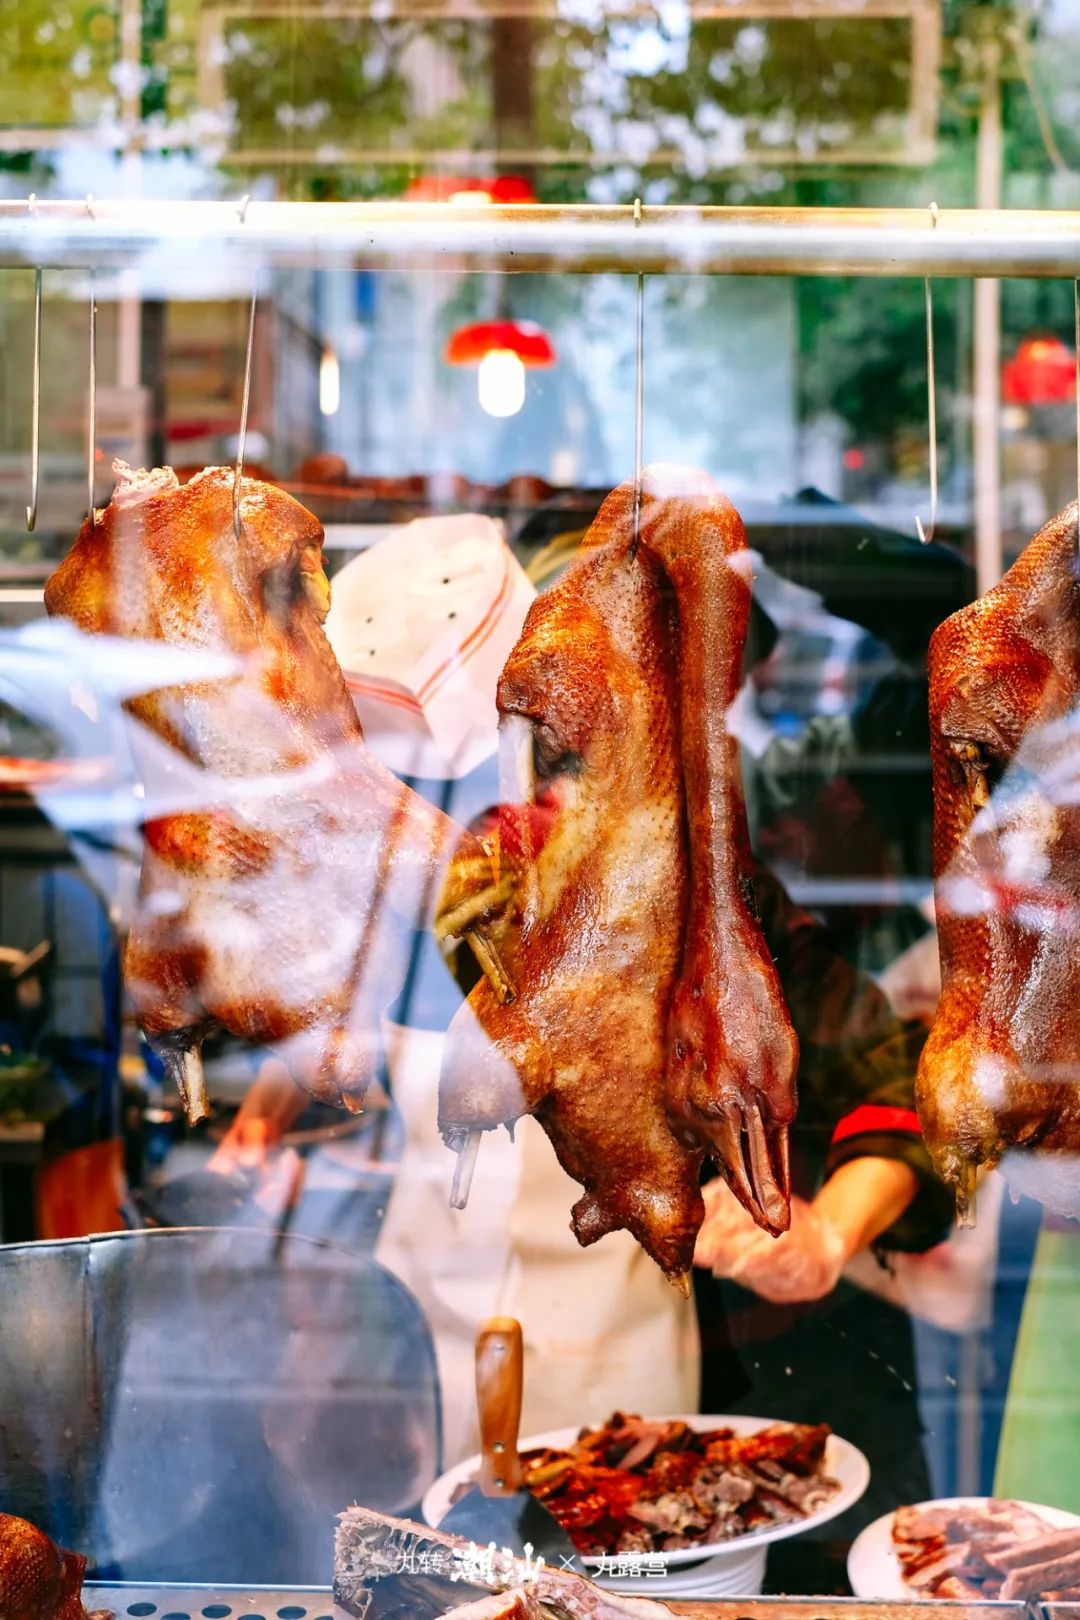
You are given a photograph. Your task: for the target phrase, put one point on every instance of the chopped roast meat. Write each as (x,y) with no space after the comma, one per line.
(284,868)
(637,1540)
(925,1577)
(997,1077)
(38,1580)
(916,1524)
(648,1026)
(1033,1551)
(1035,1577)
(688,1487)
(517,1605)
(799,1446)
(955,1586)
(996,1549)
(675,1511)
(728,1486)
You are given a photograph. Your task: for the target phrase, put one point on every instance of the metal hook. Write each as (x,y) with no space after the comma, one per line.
(91,424)
(241,211)
(241,214)
(926,535)
(639,396)
(35,405)
(242,436)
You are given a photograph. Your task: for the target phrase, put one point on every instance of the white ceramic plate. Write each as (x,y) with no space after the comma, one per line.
(843,1461)
(874,1569)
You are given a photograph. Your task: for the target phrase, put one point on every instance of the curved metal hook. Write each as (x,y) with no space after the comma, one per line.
(242,435)
(926,535)
(35,405)
(639,395)
(241,439)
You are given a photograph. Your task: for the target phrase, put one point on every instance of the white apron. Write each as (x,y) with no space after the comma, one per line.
(603,1328)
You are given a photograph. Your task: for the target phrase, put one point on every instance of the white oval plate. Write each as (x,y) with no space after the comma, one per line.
(874,1569)
(843,1461)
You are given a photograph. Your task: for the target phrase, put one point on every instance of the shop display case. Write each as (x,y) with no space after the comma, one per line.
(538,844)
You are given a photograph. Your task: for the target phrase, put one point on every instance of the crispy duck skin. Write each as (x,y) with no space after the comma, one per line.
(280,886)
(648,1025)
(998,1071)
(38,1580)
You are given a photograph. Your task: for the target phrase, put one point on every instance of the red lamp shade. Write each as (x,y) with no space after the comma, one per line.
(503,188)
(1041,372)
(469,344)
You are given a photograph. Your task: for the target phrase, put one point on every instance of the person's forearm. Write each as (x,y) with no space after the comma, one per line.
(272,1104)
(864,1197)
(273,1096)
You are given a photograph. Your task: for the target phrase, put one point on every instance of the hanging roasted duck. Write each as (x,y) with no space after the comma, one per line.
(38,1580)
(648,1026)
(284,868)
(999,1077)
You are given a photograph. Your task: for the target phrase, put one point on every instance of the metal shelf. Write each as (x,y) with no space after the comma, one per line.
(167,1601)
(574,238)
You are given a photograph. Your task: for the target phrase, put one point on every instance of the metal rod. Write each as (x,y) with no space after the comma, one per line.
(35,408)
(927,534)
(986,336)
(91,422)
(639,395)
(577,238)
(241,438)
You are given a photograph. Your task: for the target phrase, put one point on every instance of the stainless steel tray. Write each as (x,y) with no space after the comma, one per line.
(163,1601)
(167,1602)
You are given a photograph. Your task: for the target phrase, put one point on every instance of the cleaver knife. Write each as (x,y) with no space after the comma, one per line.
(499,1508)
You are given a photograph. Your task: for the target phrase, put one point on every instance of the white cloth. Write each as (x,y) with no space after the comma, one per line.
(602,1327)
(421,624)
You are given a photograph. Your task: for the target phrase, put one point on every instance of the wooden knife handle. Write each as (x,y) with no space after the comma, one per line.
(499,1362)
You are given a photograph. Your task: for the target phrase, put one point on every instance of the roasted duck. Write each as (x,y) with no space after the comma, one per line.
(998,1075)
(279,892)
(648,1026)
(38,1580)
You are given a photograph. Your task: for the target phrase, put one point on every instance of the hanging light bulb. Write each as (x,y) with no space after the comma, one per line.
(500,382)
(329,382)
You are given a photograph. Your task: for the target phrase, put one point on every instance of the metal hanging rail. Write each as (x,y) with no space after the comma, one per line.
(577,238)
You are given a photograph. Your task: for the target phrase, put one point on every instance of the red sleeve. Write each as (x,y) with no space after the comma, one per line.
(870,1118)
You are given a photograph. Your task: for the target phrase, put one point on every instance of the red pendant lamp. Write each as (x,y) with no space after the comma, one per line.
(1041,372)
(470,344)
(464,188)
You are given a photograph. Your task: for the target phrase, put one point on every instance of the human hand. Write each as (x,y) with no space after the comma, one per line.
(246,1145)
(726,1229)
(272,1105)
(802,1264)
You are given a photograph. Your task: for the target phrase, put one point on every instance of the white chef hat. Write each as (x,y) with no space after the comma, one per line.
(421,624)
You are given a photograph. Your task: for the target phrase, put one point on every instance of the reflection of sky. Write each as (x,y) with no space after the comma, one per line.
(1061,16)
